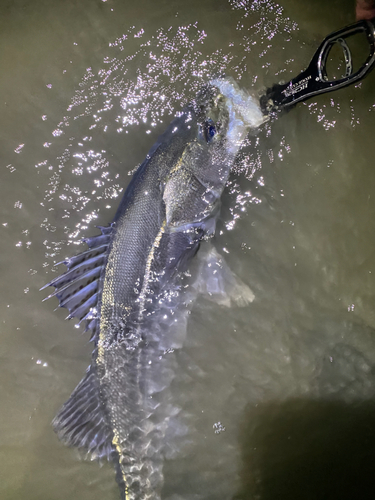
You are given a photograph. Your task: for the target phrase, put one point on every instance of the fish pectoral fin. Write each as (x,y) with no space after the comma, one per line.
(216,280)
(81,422)
(77,288)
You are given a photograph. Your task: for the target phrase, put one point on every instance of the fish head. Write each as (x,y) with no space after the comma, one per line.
(225,114)
(241,110)
(218,120)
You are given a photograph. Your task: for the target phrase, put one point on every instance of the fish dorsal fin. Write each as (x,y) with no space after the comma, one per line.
(77,288)
(81,422)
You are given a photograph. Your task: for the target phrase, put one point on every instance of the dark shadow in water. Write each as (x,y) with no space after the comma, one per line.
(308,450)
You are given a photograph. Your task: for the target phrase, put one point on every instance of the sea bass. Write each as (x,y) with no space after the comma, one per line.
(127,284)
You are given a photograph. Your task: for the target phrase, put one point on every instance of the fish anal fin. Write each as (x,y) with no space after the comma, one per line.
(82,422)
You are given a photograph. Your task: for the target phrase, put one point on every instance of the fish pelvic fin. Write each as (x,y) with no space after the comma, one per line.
(77,288)
(218,283)
(82,422)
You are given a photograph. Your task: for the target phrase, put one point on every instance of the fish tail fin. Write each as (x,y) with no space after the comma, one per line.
(81,422)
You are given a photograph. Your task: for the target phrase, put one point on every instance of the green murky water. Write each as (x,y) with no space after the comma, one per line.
(278,396)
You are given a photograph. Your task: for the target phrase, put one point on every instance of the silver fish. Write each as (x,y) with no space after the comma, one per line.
(126,286)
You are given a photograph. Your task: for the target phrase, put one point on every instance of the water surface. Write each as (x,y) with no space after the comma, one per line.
(272,394)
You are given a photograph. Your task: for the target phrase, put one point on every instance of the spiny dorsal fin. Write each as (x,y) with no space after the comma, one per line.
(77,288)
(81,422)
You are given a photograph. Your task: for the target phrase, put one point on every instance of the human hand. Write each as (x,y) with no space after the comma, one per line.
(365,9)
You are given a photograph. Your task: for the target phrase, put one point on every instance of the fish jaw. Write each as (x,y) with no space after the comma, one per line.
(244,112)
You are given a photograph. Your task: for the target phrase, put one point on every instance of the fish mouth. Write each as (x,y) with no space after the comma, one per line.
(243,111)
(245,107)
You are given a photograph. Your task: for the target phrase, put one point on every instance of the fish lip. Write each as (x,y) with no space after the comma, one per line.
(245,106)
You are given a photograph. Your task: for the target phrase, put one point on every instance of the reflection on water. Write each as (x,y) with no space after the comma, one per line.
(86,90)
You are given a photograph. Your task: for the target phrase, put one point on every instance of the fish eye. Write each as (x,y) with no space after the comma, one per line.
(209,130)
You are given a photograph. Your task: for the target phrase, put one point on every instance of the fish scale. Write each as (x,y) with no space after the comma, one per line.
(128,289)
